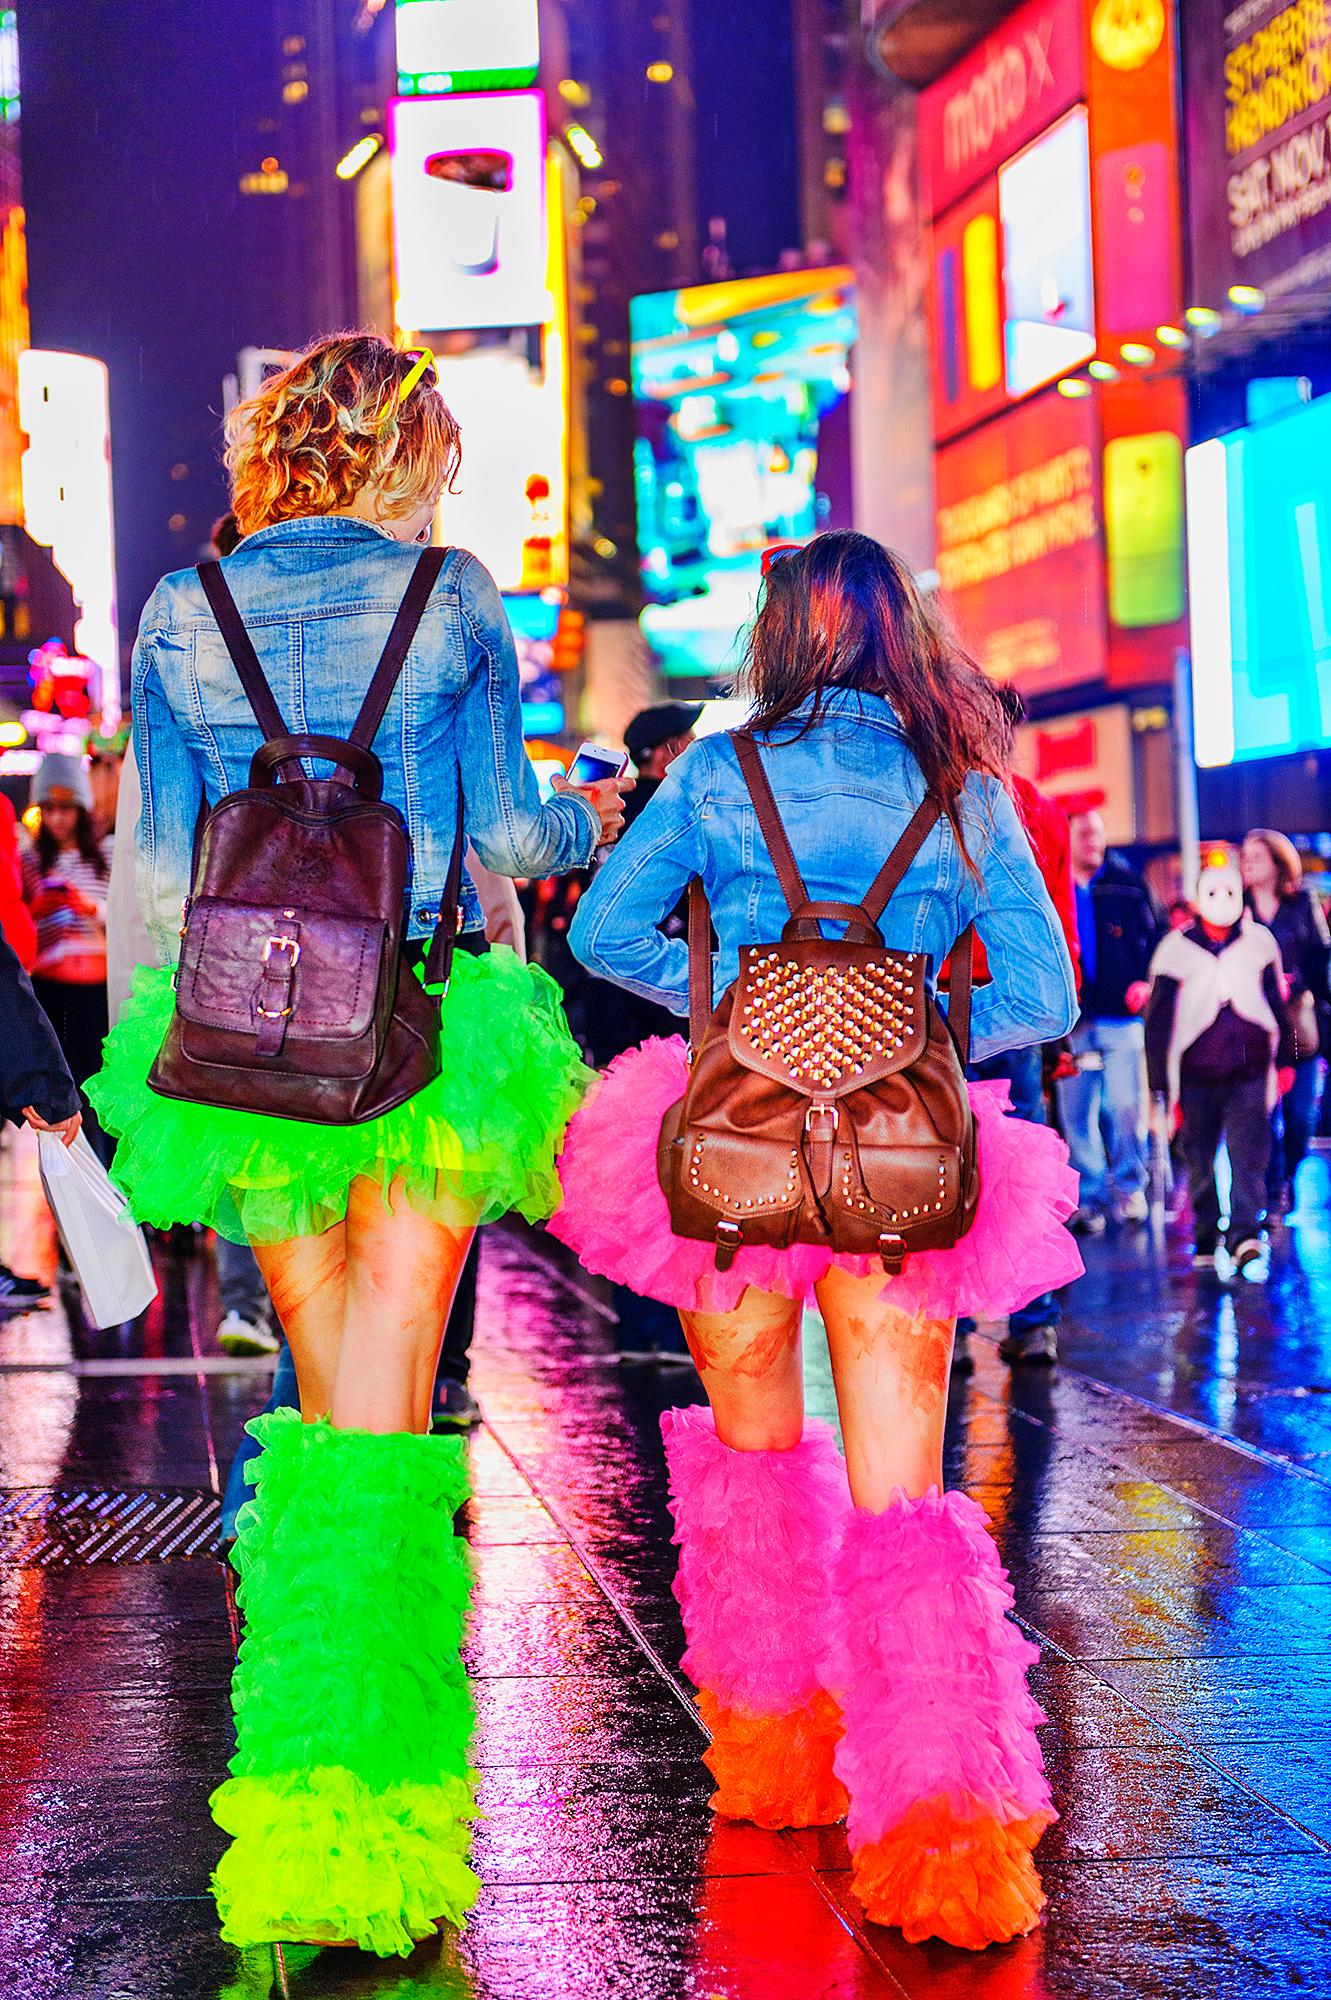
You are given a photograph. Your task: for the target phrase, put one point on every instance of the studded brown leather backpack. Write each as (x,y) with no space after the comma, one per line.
(827,1096)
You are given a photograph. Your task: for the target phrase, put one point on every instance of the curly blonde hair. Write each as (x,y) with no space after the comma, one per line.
(334,423)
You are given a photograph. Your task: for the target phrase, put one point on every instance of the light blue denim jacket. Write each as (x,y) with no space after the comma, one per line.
(846,791)
(318,596)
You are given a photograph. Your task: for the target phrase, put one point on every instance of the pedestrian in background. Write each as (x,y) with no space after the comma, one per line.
(1102,1107)
(616,1019)
(66,870)
(17,923)
(1278,897)
(1220,1048)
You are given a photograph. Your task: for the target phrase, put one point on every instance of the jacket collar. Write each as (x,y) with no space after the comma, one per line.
(872,708)
(316,528)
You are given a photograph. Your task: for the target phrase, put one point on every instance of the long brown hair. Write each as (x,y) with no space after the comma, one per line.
(85,839)
(845,613)
(1284,859)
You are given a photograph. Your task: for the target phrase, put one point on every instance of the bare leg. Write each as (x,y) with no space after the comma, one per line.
(749,1361)
(306,1280)
(402,1271)
(890,1373)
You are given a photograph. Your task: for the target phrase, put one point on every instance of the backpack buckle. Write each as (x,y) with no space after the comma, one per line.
(892,1250)
(282,944)
(729,1239)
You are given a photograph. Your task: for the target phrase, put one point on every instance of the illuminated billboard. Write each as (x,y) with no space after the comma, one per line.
(510,499)
(1020,553)
(468,177)
(511,503)
(445,45)
(1258,80)
(1044,212)
(1007,91)
(535,621)
(741,407)
(67,496)
(1259,566)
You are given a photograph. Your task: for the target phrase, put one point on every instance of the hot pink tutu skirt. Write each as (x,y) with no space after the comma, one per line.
(614,1216)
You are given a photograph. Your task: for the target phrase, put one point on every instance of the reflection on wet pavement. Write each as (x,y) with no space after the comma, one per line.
(1164,1503)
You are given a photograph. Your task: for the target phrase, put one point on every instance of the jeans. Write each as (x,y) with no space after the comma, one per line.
(1023,1071)
(1102,1111)
(1237,1113)
(239,1283)
(284,1395)
(1293,1123)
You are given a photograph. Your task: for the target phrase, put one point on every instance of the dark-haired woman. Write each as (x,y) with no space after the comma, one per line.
(846,1623)
(1279,898)
(66,869)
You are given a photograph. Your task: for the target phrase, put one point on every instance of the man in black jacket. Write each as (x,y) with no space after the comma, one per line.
(37,1087)
(1102,1108)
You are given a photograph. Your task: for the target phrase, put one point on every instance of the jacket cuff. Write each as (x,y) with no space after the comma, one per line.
(51,1095)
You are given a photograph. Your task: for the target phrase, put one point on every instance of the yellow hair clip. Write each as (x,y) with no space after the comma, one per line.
(426,361)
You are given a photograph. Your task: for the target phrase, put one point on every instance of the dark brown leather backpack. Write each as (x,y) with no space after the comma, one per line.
(827,1097)
(292,995)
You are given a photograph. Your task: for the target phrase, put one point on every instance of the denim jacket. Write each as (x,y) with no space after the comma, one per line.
(846,791)
(318,596)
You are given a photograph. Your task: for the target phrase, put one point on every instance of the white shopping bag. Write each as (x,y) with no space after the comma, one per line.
(102,1241)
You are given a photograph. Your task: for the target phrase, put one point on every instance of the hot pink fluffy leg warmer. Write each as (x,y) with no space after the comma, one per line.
(757,1533)
(939,1754)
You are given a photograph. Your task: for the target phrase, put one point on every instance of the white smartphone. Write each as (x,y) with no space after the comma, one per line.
(595,762)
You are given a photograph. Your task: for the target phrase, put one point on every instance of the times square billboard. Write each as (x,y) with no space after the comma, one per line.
(1258,122)
(1050,169)
(741,399)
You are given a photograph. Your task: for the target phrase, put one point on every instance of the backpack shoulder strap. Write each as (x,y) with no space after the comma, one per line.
(769,820)
(393,658)
(243,656)
(884,886)
(886,882)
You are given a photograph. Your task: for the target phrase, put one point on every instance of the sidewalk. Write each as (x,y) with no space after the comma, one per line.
(1164,1503)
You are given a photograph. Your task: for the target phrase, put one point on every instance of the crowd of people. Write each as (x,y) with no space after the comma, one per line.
(725,1112)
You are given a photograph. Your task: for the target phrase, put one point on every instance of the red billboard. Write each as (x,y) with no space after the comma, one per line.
(1021,557)
(1004,93)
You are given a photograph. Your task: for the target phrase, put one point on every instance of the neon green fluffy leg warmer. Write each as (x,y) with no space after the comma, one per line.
(351,1792)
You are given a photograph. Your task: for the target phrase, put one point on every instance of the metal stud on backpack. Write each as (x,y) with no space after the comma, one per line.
(827,1097)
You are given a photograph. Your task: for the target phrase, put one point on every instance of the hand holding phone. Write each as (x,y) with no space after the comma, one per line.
(596,762)
(597,774)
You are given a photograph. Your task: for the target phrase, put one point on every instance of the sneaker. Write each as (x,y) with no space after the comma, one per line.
(239,1334)
(1086,1222)
(963,1361)
(1135,1209)
(456,1409)
(1250,1261)
(1034,1346)
(16,1291)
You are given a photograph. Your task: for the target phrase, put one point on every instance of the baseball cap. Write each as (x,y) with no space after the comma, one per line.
(651,726)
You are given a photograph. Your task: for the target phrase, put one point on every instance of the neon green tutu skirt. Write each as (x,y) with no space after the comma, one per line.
(484,1134)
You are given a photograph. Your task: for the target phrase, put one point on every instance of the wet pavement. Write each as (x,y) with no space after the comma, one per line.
(1163,1501)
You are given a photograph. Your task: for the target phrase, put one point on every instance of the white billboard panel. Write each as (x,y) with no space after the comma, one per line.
(469,211)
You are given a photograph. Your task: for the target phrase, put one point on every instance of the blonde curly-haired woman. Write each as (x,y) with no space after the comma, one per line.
(351,1790)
